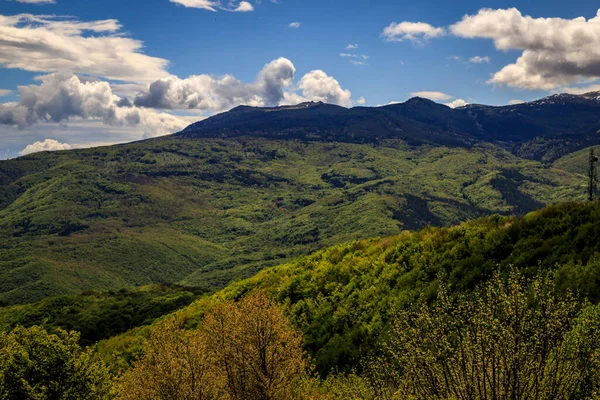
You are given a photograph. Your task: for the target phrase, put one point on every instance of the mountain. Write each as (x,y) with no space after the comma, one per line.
(256,187)
(543,130)
(417,121)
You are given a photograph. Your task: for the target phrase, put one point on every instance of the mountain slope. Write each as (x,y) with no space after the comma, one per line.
(202,212)
(343,297)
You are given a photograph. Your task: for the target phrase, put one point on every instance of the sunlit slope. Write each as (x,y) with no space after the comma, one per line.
(203,212)
(343,297)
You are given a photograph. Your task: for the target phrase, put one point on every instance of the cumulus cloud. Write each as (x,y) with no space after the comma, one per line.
(46,145)
(318,86)
(273,86)
(416,32)
(63,97)
(244,6)
(361,101)
(51,44)
(479,60)
(513,102)
(457,103)
(210,93)
(555,51)
(352,47)
(295,25)
(5,92)
(435,96)
(214,5)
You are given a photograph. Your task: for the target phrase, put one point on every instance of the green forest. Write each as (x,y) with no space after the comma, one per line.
(496,307)
(262,269)
(214,211)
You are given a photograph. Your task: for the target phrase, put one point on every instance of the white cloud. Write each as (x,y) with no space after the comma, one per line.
(244,6)
(205,4)
(210,5)
(416,32)
(579,90)
(513,102)
(352,47)
(457,103)
(97,48)
(78,133)
(361,101)
(479,60)
(36,1)
(349,55)
(356,59)
(432,95)
(295,25)
(64,97)
(214,94)
(46,145)
(556,52)
(5,92)
(318,86)
(273,86)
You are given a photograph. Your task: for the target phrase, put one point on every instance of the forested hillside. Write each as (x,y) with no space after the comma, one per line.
(357,308)
(342,298)
(202,212)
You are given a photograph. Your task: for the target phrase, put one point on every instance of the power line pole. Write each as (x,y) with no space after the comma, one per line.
(593,182)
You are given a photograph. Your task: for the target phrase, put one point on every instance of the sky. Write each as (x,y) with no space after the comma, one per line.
(79,73)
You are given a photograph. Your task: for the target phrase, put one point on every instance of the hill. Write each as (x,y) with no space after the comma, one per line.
(343,297)
(204,211)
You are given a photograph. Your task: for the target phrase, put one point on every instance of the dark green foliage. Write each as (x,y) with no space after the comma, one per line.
(37,365)
(204,212)
(100,315)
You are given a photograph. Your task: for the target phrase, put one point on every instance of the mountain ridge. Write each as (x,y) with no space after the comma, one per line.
(543,130)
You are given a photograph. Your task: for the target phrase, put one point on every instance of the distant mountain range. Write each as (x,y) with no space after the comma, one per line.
(543,130)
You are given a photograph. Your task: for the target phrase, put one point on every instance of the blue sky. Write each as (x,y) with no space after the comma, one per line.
(427,52)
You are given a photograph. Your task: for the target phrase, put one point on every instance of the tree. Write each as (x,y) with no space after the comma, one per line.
(507,341)
(35,364)
(242,351)
(177,365)
(257,350)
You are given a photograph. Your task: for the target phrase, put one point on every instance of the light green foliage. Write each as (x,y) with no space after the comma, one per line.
(203,212)
(343,298)
(577,162)
(510,340)
(37,365)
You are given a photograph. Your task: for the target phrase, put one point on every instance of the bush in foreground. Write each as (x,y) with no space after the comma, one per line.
(508,340)
(35,364)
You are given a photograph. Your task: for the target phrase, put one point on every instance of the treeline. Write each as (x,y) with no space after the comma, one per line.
(511,337)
